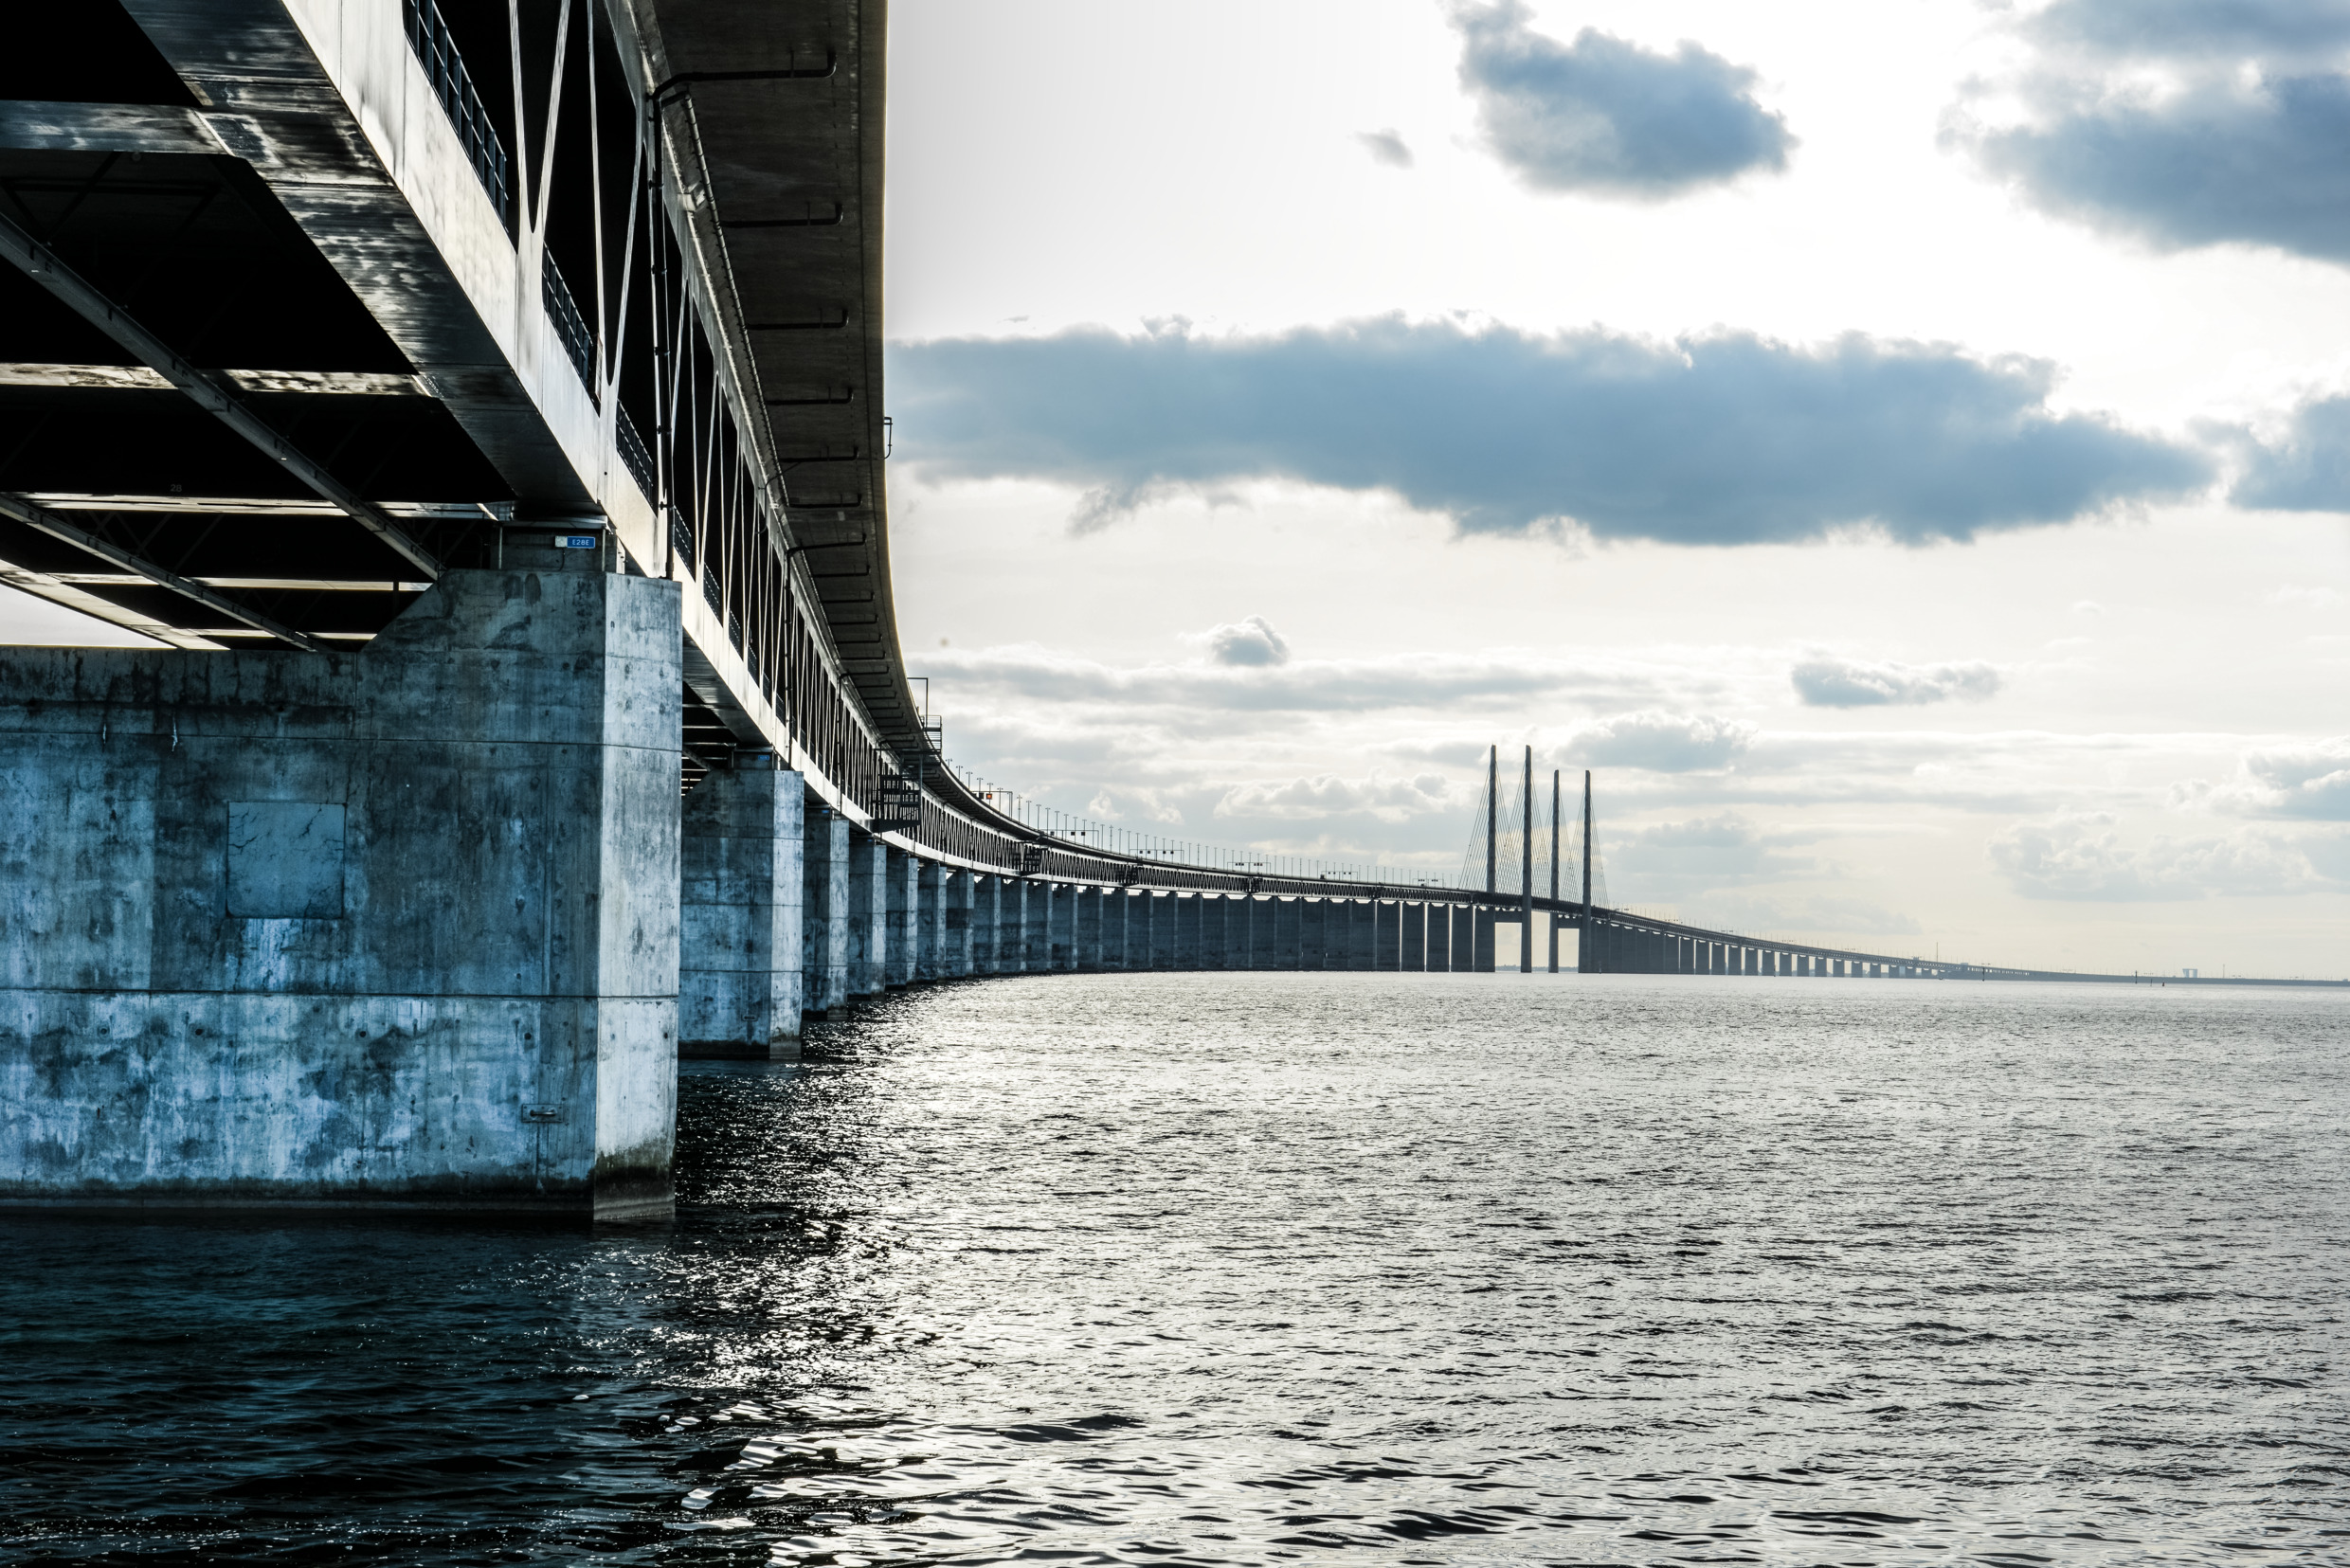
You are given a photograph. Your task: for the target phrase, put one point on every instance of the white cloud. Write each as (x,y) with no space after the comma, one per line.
(2309,782)
(1658,742)
(1255,681)
(1827,681)
(2085,857)
(1250,642)
(1328,795)
(2305,598)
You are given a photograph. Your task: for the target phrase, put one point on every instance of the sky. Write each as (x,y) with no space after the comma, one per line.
(1901,449)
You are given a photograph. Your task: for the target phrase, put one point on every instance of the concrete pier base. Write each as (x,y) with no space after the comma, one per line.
(824,912)
(394,929)
(987,899)
(740,948)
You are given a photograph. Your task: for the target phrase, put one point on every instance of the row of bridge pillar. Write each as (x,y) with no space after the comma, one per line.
(1611,948)
(788,910)
(427,924)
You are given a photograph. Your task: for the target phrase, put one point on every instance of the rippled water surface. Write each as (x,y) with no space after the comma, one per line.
(1280,1267)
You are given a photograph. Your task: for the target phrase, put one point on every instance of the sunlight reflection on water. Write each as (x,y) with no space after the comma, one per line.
(1195,1269)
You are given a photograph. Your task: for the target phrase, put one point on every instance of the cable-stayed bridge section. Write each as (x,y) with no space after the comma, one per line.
(478,408)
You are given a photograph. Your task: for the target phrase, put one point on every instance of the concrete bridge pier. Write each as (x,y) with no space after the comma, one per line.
(1245,928)
(1412,921)
(954,925)
(1114,917)
(741,842)
(1060,927)
(869,913)
(1162,930)
(986,896)
(902,920)
(1036,928)
(390,928)
(931,879)
(824,912)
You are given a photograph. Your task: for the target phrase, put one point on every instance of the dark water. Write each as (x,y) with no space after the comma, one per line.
(1268,1268)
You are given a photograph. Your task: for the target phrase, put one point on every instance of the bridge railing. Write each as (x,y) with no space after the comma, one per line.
(435,49)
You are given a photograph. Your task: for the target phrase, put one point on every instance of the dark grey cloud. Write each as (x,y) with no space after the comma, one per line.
(2194,29)
(1831,682)
(2247,140)
(1387,147)
(2265,164)
(1601,114)
(2305,470)
(1725,439)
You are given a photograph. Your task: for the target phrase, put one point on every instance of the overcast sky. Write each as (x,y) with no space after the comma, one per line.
(1902,448)
(1895,446)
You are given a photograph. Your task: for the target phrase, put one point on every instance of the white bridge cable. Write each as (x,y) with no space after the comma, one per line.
(1510,840)
(1083,833)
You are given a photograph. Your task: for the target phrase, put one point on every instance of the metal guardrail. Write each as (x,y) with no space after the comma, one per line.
(428,37)
(633,452)
(578,342)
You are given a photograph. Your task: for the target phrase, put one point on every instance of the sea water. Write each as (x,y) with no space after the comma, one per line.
(1280,1267)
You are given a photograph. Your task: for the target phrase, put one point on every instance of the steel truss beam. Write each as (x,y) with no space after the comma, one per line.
(139,378)
(43,267)
(188,587)
(266,506)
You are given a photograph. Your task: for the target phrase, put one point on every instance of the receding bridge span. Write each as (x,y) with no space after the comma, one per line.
(478,406)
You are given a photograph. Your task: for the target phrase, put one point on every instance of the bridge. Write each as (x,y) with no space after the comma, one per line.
(479,409)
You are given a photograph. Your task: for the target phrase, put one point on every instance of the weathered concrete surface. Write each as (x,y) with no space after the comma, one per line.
(868,913)
(392,928)
(824,910)
(741,847)
(900,915)
(954,933)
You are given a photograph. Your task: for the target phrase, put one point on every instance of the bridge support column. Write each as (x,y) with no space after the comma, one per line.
(986,898)
(739,951)
(1412,937)
(1214,910)
(1011,926)
(954,925)
(394,928)
(902,911)
(1187,910)
(1387,935)
(1088,937)
(1288,933)
(1012,895)
(929,882)
(1116,902)
(1250,930)
(825,912)
(869,913)
(1314,943)
(1061,927)
(1161,930)
(1485,940)
(1134,926)
(1036,947)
